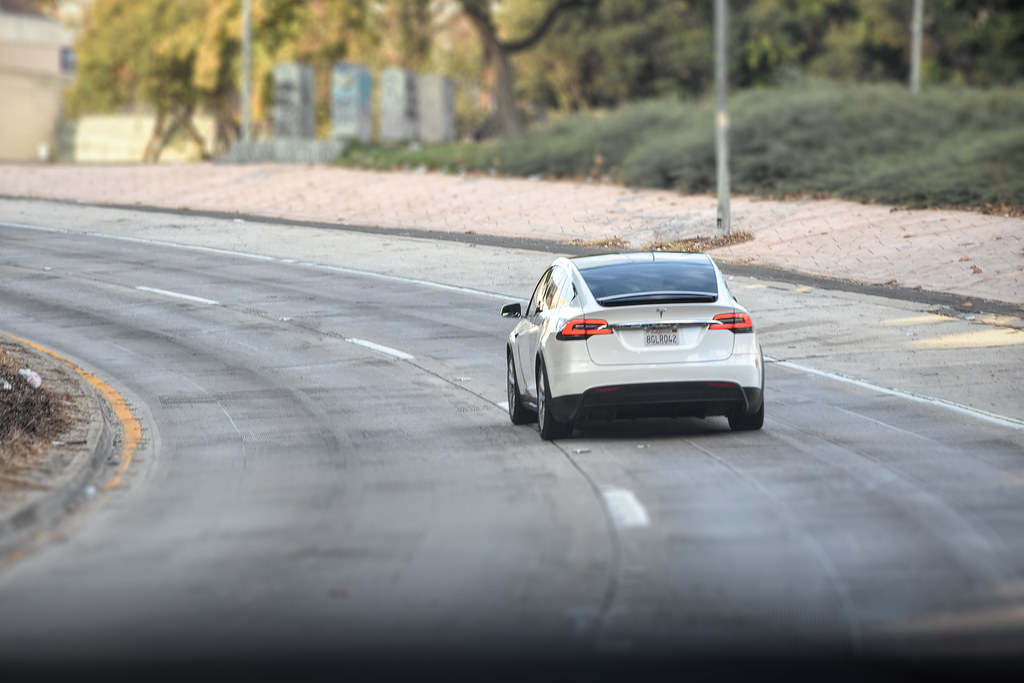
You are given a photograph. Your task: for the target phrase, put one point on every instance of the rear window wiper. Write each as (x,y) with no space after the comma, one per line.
(658,297)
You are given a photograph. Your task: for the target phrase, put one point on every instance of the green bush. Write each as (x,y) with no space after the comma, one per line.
(877,143)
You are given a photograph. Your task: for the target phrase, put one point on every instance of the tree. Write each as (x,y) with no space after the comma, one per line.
(619,51)
(406,30)
(497,68)
(317,32)
(977,42)
(181,55)
(123,58)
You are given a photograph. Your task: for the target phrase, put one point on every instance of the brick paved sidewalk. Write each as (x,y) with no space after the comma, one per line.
(959,252)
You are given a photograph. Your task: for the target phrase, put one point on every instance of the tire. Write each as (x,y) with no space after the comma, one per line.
(517,412)
(748,423)
(549,427)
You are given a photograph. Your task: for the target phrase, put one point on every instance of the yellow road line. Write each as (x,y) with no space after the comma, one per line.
(1002,321)
(914,320)
(999,336)
(132,427)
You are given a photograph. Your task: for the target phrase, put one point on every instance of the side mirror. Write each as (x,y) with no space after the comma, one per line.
(512,311)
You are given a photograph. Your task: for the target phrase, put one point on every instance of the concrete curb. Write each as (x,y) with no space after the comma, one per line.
(44,510)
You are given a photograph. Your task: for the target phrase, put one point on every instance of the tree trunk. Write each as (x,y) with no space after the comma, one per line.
(152,152)
(181,119)
(497,75)
(184,118)
(165,138)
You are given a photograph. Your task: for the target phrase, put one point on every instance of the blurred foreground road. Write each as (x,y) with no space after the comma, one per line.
(329,475)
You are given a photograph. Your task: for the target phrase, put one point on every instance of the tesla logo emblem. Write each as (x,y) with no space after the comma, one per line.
(661,312)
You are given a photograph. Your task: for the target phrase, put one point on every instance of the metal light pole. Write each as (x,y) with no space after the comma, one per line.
(246,70)
(722,120)
(916,29)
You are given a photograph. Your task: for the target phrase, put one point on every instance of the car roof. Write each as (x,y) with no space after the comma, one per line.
(584,262)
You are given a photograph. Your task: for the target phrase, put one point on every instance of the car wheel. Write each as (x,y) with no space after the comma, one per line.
(549,427)
(748,423)
(517,412)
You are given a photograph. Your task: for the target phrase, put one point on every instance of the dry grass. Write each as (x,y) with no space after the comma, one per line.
(696,245)
(29,419)
(692,245)
(614,243)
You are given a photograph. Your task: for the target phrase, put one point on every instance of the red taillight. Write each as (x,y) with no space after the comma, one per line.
(581,329)
(737,322)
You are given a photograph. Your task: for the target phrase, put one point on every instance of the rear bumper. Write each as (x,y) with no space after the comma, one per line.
(657,399)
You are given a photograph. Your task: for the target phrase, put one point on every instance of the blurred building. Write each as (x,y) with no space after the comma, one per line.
(36,64)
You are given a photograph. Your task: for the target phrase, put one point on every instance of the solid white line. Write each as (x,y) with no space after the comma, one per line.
(1001,420)
(175,245)
(626,510)
(880,423)
(412,281)
(380,348)
(22,226)
(260,257)
(178,295)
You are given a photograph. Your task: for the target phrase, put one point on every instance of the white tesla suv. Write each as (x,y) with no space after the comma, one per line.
(633,335)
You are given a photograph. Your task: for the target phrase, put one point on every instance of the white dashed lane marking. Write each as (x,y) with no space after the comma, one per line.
(381,349)
(625,508)
(179,295)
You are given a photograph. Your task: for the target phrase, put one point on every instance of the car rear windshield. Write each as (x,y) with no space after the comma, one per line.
(622,284)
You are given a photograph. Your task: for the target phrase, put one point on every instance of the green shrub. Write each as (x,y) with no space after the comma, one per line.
(878,143)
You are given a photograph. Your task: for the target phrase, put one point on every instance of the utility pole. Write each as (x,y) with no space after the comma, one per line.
(722,120)
(916,29)
(246,70)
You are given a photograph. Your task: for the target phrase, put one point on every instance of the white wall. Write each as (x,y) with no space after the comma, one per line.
(31,85)
(123,137)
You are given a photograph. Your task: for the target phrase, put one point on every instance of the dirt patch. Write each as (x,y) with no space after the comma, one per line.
(35,423)
(608,243)
(696,245)
(693,245)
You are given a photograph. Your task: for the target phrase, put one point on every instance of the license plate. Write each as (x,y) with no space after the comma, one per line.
(661,337)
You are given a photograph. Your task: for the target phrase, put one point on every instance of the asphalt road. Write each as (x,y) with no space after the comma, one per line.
(329,477)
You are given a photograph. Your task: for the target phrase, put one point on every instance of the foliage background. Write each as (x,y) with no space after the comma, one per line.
(619,88)
(951,146)
(598,53)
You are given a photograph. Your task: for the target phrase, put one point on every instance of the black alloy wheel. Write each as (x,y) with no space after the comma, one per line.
(748,423)
(517,412)
(549,427)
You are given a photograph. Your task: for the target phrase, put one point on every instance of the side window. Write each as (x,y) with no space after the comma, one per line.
(539,293)
(550,298)
(561,285)
(568,289)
